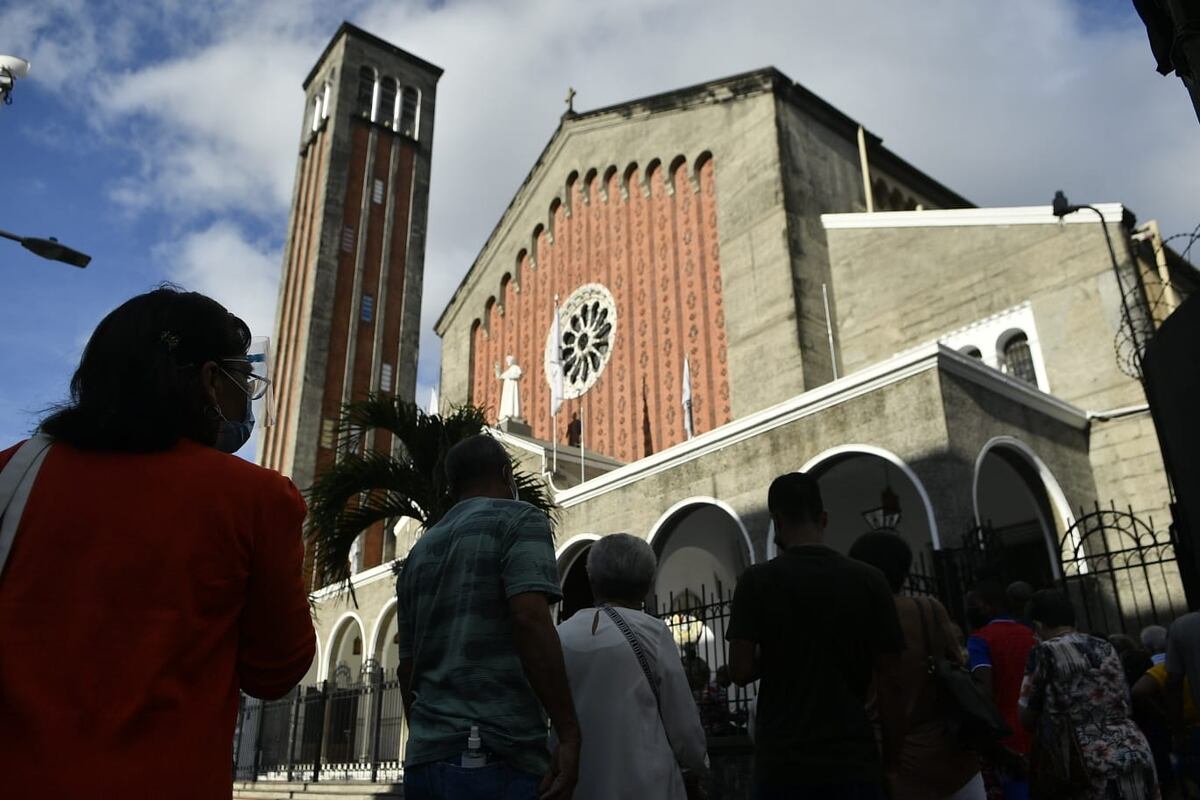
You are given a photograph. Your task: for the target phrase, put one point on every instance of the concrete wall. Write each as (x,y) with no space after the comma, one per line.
(822,174)
(899,287)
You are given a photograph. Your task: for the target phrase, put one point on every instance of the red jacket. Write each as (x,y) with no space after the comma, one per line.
(142,591)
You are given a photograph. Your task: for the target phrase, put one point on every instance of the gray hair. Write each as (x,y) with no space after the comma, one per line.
(1154,638)
(621,567)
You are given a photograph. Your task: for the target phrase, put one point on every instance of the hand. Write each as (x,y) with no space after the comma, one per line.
(559,782)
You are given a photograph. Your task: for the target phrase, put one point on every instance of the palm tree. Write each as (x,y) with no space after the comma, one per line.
(366,486)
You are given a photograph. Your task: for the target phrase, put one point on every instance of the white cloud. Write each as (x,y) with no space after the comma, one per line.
(222,264)
(1004,102)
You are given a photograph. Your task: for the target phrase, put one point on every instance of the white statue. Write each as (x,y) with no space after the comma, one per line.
(510,397)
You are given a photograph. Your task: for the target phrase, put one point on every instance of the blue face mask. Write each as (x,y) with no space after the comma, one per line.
(232,435)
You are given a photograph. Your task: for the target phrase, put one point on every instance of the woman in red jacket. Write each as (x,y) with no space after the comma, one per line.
(153,574)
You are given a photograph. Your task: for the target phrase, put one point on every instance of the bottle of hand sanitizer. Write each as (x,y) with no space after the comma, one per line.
(474,756)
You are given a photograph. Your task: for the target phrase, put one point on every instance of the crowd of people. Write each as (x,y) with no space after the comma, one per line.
(862,690)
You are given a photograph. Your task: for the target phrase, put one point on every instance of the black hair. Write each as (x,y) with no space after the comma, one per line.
(1051,608)
(992,591)
(795,498)
(474,460)
(888,553)
(138,386)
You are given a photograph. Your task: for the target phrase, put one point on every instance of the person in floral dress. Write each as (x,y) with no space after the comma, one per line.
(1079,677)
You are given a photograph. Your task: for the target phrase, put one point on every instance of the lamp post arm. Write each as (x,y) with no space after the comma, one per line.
(1112,255)
(13,236)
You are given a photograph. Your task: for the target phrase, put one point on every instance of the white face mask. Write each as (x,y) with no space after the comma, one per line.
(516,494)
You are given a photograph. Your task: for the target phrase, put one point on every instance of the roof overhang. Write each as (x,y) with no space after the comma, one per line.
(914,362)
(967,217)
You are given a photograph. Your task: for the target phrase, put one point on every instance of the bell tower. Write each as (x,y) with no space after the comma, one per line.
(348,318)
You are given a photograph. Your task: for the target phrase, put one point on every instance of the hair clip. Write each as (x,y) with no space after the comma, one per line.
(171,340)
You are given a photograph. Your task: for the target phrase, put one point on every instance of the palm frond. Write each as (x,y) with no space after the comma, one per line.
(406,479)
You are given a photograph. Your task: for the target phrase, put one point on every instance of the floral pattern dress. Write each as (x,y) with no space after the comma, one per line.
(1080,677)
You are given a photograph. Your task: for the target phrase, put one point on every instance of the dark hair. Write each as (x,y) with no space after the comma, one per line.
(1051,608)
(888,553)
(795,498)
(137,388)
(474,460)
(992,592)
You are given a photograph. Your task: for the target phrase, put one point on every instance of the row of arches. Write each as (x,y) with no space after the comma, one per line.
(348,652)
(382,100)
(593,184)
(703,544)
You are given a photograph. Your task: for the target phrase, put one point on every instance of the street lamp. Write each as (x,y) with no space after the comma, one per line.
(50,248)
(1061,208)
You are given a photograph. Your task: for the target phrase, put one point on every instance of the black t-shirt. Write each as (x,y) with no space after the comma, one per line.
(820,619)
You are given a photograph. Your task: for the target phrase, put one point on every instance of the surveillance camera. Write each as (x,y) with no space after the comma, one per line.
(15,67)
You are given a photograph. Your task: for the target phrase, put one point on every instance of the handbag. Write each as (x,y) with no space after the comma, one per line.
(693,783)
(16,482)
(971,718)
(1056,765)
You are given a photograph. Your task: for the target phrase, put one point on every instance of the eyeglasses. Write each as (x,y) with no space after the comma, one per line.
(255,386)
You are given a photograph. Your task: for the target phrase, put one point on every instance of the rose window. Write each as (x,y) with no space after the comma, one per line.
(587,326)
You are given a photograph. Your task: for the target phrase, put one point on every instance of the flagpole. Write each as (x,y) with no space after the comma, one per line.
(555,385)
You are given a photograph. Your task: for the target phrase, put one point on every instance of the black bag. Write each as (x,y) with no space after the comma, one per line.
(971,718)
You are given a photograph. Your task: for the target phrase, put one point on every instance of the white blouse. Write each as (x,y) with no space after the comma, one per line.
(628,751)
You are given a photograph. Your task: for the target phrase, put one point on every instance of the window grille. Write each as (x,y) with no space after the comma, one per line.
(377,192)
(347,239)
(385,378)
(367,313)
(328,433)
(1018,359)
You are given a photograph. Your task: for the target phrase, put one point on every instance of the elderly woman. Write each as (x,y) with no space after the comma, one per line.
(638,736)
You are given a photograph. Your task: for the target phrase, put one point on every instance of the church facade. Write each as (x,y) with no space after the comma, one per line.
(745,282)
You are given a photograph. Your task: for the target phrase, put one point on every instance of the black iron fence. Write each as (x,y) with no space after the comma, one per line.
(1121,573)
(697,621)
(322,733)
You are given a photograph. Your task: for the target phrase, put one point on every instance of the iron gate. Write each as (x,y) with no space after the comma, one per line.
(1121,573)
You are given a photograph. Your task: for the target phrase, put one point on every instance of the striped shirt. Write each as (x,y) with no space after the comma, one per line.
(455,626)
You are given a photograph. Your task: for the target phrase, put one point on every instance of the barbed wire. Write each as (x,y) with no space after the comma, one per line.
(1147,304)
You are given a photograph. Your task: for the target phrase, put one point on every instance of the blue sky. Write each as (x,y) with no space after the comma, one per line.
(160,137)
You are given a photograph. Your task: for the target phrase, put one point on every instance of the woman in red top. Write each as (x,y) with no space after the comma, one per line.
(152,575)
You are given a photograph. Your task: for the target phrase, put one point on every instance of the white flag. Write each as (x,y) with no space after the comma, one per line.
(554,369)
(687,398)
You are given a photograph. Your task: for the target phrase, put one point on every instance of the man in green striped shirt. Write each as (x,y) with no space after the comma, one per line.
(478,646)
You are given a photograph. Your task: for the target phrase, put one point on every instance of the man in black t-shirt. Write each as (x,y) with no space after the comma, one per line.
(817,628)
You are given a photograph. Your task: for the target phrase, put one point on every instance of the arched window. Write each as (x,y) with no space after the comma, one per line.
(1018,359)
(365,103)
(410,101)
(387,102)
(325,100)
(316,113)
(972,351)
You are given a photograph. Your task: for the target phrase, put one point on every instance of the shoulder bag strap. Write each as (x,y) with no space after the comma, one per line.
(16,482)
(630,637)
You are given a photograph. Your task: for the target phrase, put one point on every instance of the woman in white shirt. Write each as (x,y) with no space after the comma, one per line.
(634,744)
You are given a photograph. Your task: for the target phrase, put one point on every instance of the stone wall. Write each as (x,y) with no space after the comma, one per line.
(898,287)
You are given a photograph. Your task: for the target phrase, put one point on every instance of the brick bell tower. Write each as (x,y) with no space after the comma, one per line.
(348,319)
